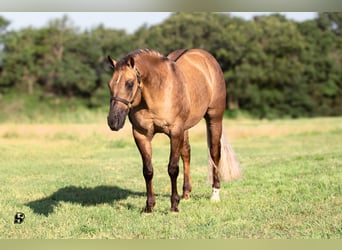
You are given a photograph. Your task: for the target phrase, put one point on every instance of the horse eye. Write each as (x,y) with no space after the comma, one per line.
(129,85)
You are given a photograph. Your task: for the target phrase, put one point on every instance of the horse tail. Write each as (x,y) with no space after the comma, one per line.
(229,166)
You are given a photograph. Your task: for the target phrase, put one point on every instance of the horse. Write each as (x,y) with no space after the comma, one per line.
(170,95)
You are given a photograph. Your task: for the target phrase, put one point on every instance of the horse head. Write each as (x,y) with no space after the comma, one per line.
(124,87)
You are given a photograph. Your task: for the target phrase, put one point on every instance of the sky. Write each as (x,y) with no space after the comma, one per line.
(130,21)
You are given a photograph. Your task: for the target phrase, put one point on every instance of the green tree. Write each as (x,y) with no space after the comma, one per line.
(322,62)
(281,85)
(330,21)
(20,68)
(3,25)
(267,71)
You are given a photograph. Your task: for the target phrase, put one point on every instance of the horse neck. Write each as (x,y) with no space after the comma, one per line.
(152,69)
(156,78)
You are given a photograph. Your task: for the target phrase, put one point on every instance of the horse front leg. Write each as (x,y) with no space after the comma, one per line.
(143,143)
(173,167)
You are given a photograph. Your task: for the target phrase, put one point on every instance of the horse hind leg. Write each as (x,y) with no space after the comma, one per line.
(185,154)
(214,131)
(222,161)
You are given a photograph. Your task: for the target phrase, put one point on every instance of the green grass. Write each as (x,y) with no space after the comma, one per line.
(84,181)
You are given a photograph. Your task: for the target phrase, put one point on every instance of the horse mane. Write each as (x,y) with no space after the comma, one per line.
(124,61)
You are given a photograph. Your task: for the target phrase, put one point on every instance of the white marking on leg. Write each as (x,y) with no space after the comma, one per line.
(215,195)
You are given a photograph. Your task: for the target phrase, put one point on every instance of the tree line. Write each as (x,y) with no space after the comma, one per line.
(274,67)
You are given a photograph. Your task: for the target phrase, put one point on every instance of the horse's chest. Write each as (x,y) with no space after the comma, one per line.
(161,126)
(147,121)
(141,119)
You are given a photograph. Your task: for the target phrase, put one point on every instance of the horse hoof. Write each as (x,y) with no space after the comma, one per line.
(174,210)
(147,210)
(215,199)
(215,196)
(186,197)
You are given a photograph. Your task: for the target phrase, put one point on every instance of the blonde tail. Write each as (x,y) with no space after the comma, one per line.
(229,166)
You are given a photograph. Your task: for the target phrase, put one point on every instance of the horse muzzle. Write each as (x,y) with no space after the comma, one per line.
(116,119)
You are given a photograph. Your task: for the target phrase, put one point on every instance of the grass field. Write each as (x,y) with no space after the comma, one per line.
(80,180)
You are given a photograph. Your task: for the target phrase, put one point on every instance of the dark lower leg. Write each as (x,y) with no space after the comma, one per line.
(148,175)
(177,138)
(173,171)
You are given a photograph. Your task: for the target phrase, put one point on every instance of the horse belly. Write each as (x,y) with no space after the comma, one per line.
(199,101)
(195,118)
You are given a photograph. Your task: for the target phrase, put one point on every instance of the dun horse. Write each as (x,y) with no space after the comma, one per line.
(170,95)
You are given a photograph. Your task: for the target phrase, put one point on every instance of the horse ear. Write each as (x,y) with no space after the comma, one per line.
(131,62)
(112,62)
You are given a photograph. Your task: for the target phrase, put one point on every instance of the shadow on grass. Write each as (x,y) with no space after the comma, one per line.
(81,195)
